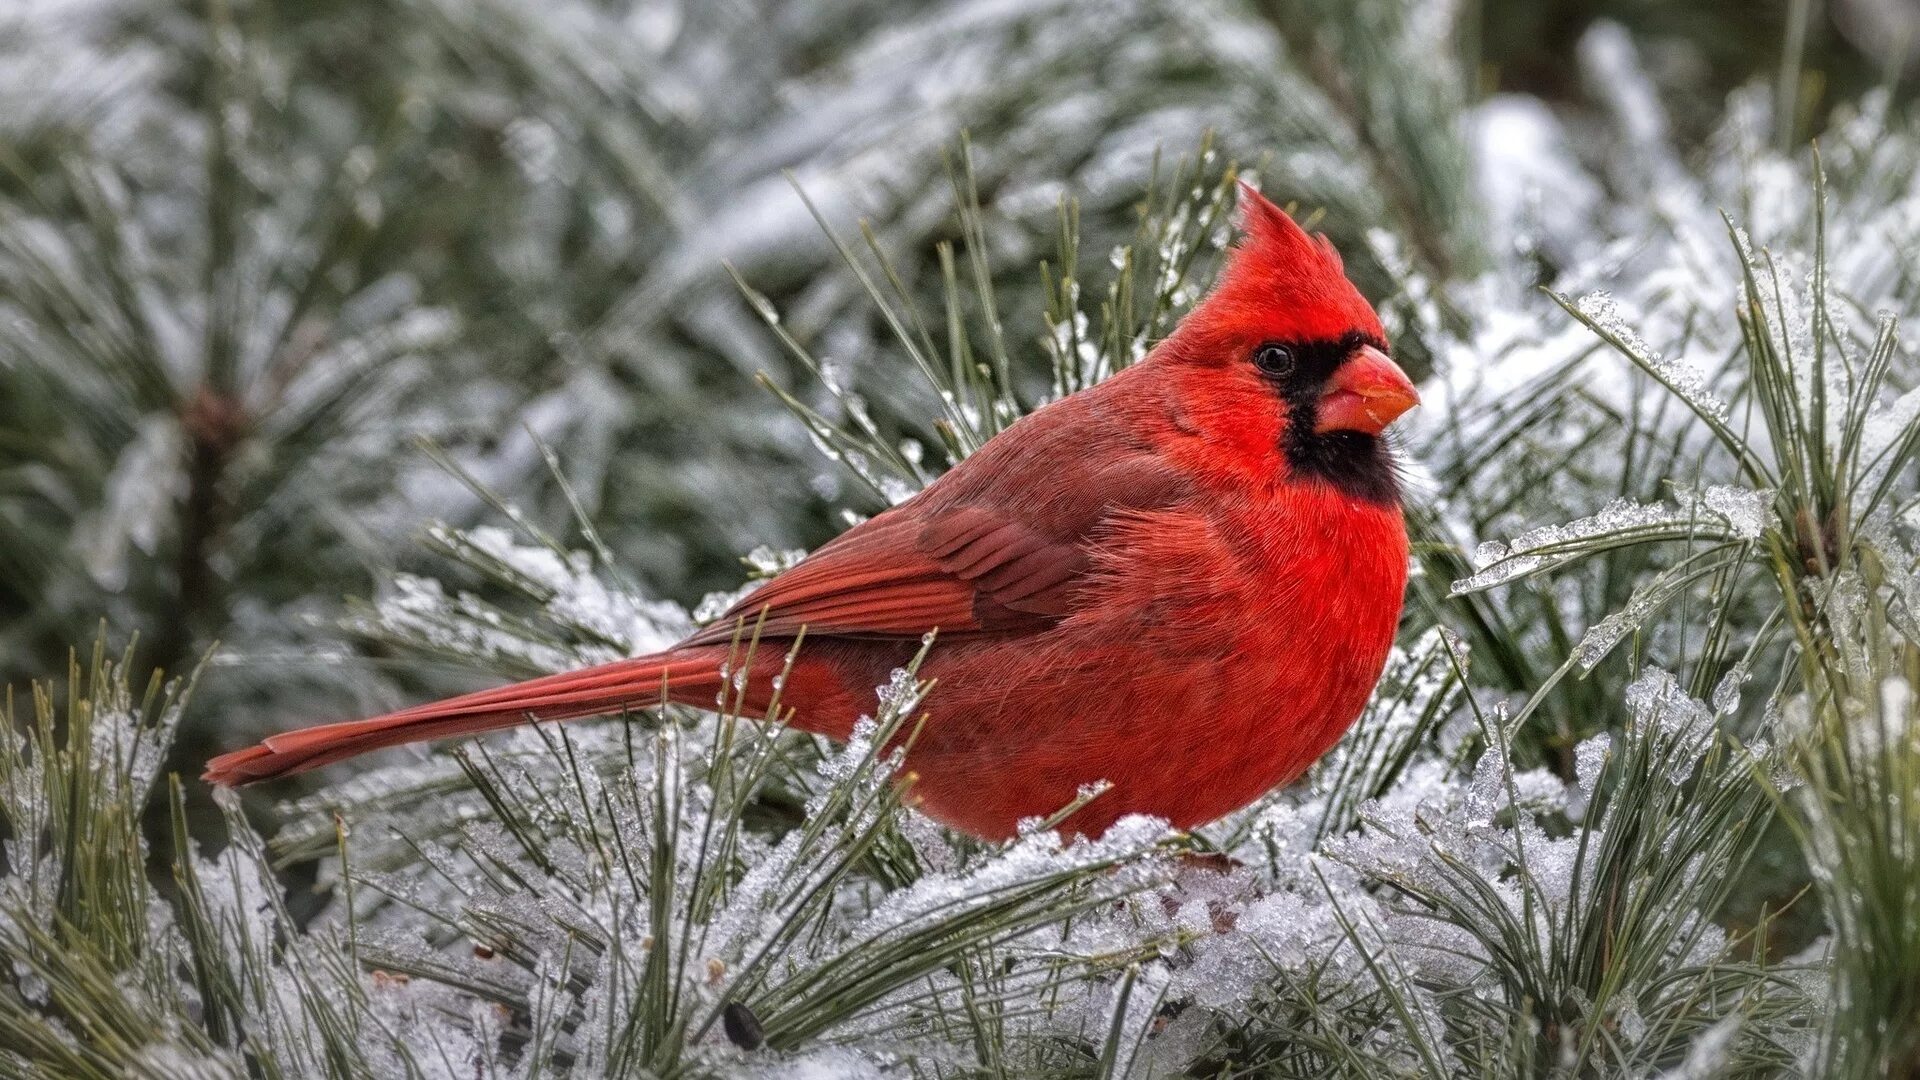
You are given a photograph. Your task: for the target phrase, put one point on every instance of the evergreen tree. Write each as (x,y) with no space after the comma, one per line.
(284,289)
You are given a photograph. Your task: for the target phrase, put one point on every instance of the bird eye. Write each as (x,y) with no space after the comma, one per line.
(1274,360)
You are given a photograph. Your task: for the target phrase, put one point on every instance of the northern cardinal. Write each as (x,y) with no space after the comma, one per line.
(1184,581)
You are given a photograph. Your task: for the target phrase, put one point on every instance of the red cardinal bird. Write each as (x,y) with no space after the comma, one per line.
(1184,581)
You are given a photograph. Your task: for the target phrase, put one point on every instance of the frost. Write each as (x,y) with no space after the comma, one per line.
(1089,791)
(1682,726)
(902,693)
(1726,693)
(1548,546)
(1746,512)
(1401,904)
(587,620)
(1886,426)
(541,568)
(1589,758)
(1601,638)
(1603,312)
(1719,510)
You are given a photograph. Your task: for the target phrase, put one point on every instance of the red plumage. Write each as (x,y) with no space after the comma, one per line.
(1184,580)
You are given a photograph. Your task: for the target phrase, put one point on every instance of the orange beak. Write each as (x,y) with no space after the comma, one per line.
(1366,393)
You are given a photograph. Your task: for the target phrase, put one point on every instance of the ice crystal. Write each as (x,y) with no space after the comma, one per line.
(1603,312)
(1718,511)
(1683,725)
(1726,693)
(1601,638)
(1746,512)
(1589,758)
(1550,545)
(1402,905)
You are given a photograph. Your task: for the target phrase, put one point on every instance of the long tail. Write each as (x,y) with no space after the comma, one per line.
(687,676)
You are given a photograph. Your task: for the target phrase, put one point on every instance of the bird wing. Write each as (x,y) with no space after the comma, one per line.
(992,550)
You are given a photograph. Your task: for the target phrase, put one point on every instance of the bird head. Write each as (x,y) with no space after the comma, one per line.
(1285,337)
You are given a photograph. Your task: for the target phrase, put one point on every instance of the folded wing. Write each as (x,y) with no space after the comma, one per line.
(956,561)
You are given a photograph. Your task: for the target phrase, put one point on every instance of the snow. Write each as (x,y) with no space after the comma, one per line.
(140,494)
(1603,312)
(1682,726)
(1746,512)
(1707,1057)
(1548,546)
(1394,900)
(1536,191)
(1600,639)
(1589,758)
(1719,512)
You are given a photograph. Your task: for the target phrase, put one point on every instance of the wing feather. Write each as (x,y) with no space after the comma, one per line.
(996,545)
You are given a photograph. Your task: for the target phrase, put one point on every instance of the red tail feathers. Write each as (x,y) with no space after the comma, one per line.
(687,676)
